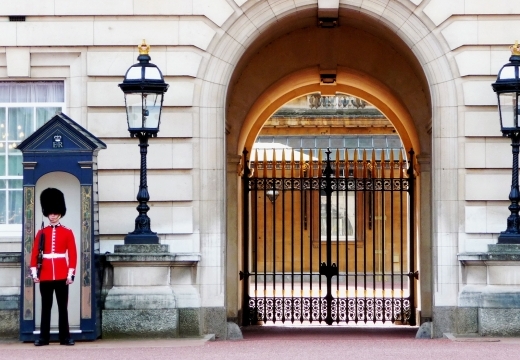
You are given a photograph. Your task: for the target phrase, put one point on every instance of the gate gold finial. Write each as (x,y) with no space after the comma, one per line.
(144,48)
(515,49)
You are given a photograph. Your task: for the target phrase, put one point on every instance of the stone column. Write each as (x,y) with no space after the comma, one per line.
(424,245)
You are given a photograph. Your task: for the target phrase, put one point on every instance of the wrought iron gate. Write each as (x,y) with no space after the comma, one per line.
(328,240)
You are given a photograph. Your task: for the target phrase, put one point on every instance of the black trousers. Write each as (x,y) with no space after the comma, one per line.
(47,288)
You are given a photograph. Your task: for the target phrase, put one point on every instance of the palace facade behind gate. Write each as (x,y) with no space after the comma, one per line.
(413,76)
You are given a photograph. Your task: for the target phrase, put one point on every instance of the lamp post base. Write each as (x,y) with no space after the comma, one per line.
(142,238)
(508,238)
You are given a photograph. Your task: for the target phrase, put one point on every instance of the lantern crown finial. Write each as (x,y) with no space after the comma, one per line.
(515,49)
(144,48)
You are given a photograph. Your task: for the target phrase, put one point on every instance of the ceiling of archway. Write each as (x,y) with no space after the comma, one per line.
(359,43)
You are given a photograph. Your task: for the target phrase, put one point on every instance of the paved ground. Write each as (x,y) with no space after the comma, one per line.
(280,343)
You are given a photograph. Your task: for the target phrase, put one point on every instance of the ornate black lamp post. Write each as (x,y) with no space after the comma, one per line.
(507,88)
(144,89)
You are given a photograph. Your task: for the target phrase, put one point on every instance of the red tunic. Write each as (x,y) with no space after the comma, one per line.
(58,240)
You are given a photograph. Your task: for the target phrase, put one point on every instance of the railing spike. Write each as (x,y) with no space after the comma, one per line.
(311,164)
(374,163)
(392,163)
(355,163)
(337,163)
(401,168)
(255,164)
(365,165)
(283,163)
(273,169)
(320,161)
(383,163)
(302,164)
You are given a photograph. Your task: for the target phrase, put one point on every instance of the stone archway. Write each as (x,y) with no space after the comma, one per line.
(348,81)
(391,45)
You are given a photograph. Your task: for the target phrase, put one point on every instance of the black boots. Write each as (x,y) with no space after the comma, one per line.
(41,342)
(68,342)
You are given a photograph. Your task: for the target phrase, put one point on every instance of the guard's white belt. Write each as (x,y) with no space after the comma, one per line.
(53,256)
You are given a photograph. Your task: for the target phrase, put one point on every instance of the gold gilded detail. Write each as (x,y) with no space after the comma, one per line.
(144,48)
(515,49)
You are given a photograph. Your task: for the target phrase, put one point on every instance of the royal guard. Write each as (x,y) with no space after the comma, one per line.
(49,265)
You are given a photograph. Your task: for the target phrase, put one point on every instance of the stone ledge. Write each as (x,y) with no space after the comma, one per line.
(11,257)
(180,259)
(151,255)
(496,252)
(490,296)
(504,248)
(140,298)
(141,249)
(10,302)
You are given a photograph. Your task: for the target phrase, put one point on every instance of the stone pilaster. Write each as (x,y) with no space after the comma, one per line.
(491,289)
(142,302)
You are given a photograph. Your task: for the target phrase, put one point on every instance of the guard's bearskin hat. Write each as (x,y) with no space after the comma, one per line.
(53,202)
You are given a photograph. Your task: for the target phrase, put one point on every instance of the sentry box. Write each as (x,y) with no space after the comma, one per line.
(63,155)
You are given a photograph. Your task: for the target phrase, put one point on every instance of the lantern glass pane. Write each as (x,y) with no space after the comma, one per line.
(152,73)
(152,110)
(508,110)
(134,73)
(143,110)
(134,110)
(507,72)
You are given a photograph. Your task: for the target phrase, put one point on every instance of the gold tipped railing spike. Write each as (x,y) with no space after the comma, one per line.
(401,165)
(273,169)
(293,164)
(320,160)
(283,163)
(347,166)
(264,173)
(392,164)
(311,163)
(337,163)
(356,159)
(383,163)
(255,164)
(365,165)
(302,164)
(374,164)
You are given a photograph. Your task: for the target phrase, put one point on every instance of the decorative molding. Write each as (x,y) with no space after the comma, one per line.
(86,164)
(29,165)
(86,260)
(28,239)
(316,101)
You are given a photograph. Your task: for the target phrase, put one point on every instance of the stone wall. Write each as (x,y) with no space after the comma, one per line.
(458,46)
(9,294)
